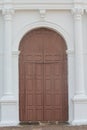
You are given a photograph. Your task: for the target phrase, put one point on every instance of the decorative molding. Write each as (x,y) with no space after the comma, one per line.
(8,99)
(39,24)
(79,122)
(8,13)
(42,5)
(7,1)
(10,123)
(69,52)
(78,1)
(42,14)
(15,53)
(80,99)
(35,4)
(77,12)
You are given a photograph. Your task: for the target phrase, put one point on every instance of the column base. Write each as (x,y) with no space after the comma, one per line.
(9,111)
(80,110)
(79,122)
(8,123)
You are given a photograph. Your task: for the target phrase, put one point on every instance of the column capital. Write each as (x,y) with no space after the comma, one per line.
(8,13)
(70,52)
(15,53)
(77,12)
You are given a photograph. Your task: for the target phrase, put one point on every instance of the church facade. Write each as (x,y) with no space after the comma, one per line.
(43,61)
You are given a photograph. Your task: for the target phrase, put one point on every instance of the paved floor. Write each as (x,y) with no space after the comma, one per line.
(45,127)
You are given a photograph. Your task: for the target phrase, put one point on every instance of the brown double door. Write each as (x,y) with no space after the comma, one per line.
(43,77)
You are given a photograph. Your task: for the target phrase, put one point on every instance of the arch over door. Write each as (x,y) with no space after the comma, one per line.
(43,90)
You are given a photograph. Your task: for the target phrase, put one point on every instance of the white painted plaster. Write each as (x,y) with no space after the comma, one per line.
(55,15)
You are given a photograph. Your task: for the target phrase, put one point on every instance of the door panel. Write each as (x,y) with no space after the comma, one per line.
(52,91)
(48,92)
(34,91)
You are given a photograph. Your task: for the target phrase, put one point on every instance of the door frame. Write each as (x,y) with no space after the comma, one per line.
(70,57)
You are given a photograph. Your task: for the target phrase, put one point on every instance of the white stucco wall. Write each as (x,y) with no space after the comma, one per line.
(1,51)
(1,59)
(85,47)
(54,14)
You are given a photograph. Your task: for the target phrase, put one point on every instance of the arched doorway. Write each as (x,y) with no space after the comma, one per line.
(43,90)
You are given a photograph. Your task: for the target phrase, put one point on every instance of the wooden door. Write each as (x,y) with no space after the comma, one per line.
(43,91)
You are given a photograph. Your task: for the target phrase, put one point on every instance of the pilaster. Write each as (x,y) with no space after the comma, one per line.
(80,98)
(7,15)
(9,106)
(79,63)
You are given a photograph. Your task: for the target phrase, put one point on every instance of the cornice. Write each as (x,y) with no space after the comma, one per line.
(45,1)
(36,6)
(46,4)
(78,1)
